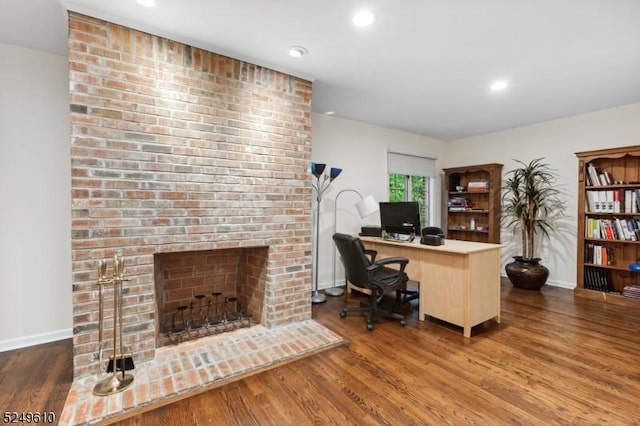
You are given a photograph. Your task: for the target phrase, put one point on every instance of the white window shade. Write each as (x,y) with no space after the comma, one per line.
(412,165)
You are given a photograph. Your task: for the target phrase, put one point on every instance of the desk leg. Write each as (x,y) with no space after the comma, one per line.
(467,331)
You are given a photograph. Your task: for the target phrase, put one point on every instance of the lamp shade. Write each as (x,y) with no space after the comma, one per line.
(367,206)
(317,169)
(335,172)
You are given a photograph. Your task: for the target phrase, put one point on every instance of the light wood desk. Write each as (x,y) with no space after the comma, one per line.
(459,281)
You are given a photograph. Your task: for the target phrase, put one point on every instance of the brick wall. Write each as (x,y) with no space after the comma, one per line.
(177,149)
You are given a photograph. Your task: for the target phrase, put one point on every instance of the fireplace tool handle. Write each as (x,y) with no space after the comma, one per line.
(102,269)
(115,383)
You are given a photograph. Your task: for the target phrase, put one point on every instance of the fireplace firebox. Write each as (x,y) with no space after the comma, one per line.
(205,292)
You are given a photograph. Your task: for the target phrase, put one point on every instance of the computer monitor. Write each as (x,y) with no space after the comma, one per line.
(399,217)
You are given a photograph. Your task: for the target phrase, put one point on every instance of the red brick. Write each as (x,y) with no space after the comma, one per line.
(165,126)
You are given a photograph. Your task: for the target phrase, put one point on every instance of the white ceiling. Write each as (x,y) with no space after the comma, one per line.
(425,66)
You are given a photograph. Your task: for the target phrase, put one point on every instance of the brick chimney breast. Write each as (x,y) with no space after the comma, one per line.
(176,149)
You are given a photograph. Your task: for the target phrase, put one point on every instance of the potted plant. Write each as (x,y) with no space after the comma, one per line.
(530,202)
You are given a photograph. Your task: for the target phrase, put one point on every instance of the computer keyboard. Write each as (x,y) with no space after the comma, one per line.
(402,238)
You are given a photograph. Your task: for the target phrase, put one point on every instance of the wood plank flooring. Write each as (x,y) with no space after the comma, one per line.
(554,359)
(36,379)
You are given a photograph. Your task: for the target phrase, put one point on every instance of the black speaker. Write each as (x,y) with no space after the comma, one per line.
(432,240)
(371,231)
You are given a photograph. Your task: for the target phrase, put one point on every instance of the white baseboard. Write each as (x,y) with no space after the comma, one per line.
(561,284)
(552,283)
(35,339)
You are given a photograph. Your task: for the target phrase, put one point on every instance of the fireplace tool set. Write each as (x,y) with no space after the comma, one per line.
(117,379)
(201,318)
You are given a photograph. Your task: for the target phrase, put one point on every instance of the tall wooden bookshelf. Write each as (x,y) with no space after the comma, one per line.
(473,197)
(608,223)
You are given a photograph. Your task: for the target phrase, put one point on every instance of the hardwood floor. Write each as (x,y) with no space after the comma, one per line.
(554,359)
(36,379)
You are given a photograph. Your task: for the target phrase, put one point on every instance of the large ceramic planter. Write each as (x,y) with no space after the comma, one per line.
(528,274)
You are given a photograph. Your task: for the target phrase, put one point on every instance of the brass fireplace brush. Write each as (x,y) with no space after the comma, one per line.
(125,360)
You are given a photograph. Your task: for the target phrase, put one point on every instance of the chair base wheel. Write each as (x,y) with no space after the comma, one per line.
(369,326)
(403,323)
(343,314)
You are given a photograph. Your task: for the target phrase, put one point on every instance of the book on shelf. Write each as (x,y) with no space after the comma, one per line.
(591,202)
(597,279)
(597,177)
(604,177)
(631,201)
(478,186)
(601,203)
(588,252)
(457,204)
(621,229)
(598,254)
(609,232)
(612,201)
(632,228)
(608,201)
(616,194)
(592,176)
(596,201)
(632,291)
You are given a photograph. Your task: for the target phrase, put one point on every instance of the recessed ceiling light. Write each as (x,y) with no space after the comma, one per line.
(297,51)
(330,113)
(363,18)
(148,3)
(499,85)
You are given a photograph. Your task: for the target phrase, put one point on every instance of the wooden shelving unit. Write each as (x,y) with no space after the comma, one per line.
(608,202)
(482,202)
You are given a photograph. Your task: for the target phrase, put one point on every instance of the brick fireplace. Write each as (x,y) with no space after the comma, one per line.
(178,150)
(199,293)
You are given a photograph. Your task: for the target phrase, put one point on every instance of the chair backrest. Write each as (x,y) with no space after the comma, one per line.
(354,259)
(432,230)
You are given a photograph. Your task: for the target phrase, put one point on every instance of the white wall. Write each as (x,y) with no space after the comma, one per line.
(557,141)
(35,188)
(35,218)
(361,151)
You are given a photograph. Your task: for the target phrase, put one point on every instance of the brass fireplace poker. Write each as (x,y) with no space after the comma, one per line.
(117,381)
(102,269)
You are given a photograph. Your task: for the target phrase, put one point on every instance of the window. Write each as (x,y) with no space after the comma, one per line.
(411,178)
(412,188)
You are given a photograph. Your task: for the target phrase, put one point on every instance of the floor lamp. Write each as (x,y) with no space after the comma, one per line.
(323,182)
(366,206)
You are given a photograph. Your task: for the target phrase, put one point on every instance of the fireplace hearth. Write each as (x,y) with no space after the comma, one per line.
(192,367)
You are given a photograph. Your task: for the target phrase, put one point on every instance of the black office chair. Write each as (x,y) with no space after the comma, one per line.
(363,270)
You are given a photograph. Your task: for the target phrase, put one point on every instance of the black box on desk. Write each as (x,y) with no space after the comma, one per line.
(432,240)
(371,231)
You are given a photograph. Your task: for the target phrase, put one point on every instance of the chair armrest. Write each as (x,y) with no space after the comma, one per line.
(395,259)
(402,261)
(382,278)
(372,254)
